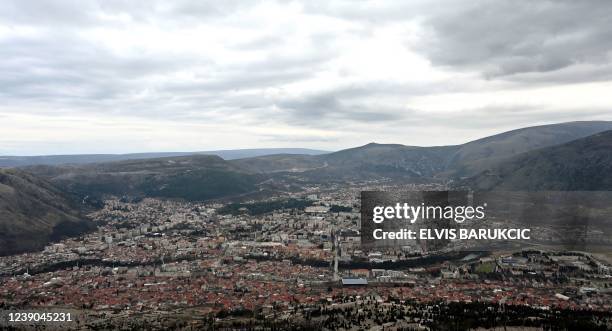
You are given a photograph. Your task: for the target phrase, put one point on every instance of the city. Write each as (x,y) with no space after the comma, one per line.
(271,165)
(287,261)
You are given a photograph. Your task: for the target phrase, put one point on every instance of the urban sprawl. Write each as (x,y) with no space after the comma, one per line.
(161,264)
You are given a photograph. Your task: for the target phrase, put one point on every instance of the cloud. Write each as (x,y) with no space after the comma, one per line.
(505,38)
(142,75)
(352,104)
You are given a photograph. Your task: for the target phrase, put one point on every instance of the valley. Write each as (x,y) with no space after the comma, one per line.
(522,159)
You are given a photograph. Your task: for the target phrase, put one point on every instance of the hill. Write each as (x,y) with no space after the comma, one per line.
(371,161)
(280,163)
(397,161)
(478,155)
(581,165)
(194,178)
(385,161)
(34,212)
(38,205)
(230,154)
(204,177)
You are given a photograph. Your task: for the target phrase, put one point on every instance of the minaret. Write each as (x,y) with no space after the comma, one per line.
(336,266)
(336,249)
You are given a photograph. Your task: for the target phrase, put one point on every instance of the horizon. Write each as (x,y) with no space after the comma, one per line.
(295,147)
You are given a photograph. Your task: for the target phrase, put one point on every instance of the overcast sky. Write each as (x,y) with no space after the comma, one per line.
(134,76)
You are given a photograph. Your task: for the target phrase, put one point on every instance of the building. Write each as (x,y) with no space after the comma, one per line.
(354,282)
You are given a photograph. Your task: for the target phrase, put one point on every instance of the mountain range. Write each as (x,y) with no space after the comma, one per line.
(38,201)
(426,163)
(21,161)
(487,163)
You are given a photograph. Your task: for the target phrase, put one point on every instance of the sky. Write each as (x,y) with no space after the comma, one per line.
(115,76)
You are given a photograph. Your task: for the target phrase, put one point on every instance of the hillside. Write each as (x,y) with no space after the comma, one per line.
(38,205)
(581,165)
(230,154)
(364,162)
(371,161)
(195,178)
(397,161)
(478,155)
(34,212)
(280,163)
(204,177)
(385,161)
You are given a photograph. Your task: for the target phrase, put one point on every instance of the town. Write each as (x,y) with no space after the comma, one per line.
(295,261)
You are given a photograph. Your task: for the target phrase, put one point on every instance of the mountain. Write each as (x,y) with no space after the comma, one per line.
(195,178)
(384,161)
(371,161)
(409,162)
(232,154)
(478,155)
(280,163)
(203,177)
(34,212)
(21,161)
(581,165)
(38,202)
